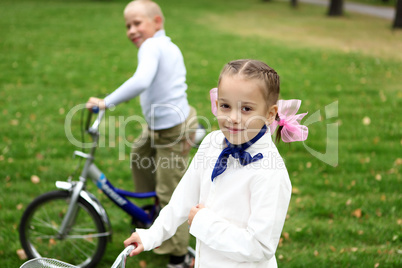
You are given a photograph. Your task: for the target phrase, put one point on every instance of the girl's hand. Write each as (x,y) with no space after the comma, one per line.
(135,240)
(95,102)
(193,211)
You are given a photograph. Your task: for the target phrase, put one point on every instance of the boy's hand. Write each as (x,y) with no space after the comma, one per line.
(95,102)
(193,211)
(135,240)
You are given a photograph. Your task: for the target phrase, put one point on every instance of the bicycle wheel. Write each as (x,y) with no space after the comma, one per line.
(85,241)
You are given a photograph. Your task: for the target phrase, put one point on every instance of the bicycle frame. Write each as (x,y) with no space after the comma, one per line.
(118,196)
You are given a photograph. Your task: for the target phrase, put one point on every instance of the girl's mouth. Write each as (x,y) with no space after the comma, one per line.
(233,130)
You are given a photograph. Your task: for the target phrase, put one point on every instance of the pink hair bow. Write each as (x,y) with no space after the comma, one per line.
(213,93)
(287,109)
(292,130)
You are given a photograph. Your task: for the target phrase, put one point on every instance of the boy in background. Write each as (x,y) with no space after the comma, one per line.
(160,82)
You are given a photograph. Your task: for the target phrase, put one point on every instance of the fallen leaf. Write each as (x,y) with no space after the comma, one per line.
(308,165)
(143,264)
(357,213)
(365,160)
(332,248)
(376,265)
(35,179)
(378,177)
(21,254)
(382,96)
(398,162)
(383,197)
(349,202)
(295,190)
(354,249)
(366,121)
(52,242)
(280,257)
(20,206)
(316,253)
(378,212)
(286,235)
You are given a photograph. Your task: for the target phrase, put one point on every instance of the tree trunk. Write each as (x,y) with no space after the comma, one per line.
(335,8)
(294,3)
(398,15)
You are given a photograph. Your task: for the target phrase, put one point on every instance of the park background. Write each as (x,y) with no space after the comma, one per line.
(346,213)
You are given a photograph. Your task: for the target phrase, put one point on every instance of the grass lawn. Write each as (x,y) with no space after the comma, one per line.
(346,204)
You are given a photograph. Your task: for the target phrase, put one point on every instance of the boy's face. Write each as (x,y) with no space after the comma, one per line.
(242,109)
(139,25)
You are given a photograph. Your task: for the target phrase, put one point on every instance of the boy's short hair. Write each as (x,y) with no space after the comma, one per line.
(152,9)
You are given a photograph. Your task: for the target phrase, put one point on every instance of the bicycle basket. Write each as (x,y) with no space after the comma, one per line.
(46,263)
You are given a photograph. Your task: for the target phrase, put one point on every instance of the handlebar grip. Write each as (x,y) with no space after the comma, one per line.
(95,109)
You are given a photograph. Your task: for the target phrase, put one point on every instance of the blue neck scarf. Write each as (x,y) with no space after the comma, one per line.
(239,152)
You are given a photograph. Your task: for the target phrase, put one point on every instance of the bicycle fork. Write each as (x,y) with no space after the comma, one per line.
(69,218)
(77,190)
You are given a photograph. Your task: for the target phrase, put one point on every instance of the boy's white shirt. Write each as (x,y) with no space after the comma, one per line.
(160,81)
(245,210)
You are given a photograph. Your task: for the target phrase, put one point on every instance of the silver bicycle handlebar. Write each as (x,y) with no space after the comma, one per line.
(120,262)
(97,122)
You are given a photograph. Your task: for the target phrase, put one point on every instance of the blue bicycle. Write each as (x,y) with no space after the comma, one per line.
(70,224)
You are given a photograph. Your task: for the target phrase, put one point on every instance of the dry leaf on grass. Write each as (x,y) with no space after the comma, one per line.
(357,213)
(21,254)
(366,121)
(143,264)
(35,179)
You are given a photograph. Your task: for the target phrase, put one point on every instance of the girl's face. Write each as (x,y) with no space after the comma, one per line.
(242,108)
(139,25)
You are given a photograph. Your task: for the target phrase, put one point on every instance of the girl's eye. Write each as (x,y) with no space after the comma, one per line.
(246,109)
(224,106)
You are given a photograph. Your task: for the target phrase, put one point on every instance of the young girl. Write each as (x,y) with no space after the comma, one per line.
(236,191)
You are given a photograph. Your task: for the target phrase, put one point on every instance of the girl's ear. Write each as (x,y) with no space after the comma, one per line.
(271,114)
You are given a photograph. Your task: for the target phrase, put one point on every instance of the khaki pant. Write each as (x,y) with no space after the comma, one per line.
(159,159)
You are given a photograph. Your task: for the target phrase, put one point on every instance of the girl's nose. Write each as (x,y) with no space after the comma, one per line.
(235,116)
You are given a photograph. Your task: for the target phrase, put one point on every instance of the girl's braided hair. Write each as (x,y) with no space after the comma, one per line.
(254,69)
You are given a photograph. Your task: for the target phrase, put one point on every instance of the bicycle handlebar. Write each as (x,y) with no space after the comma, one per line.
(120,262)
(94,128)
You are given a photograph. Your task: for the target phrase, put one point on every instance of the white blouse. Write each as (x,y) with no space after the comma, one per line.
(245,210)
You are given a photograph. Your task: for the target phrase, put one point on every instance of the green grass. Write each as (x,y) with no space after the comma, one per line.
(55,54)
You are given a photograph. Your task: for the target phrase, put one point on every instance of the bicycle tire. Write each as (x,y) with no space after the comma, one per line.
(83,246)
